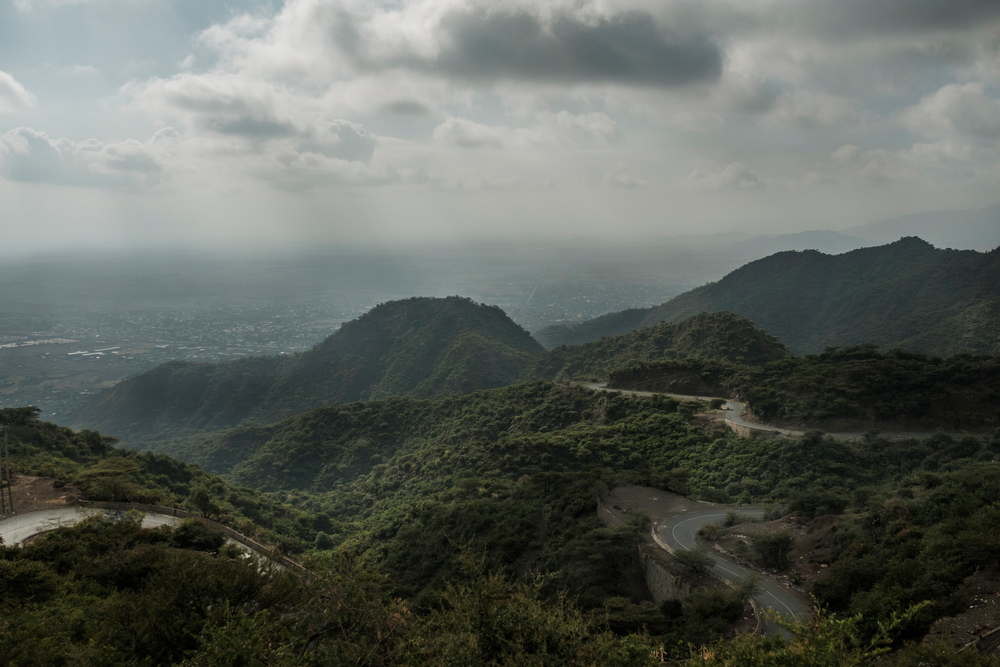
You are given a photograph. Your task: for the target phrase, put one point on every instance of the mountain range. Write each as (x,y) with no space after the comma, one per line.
(905,294)
(973,229)
(420,348)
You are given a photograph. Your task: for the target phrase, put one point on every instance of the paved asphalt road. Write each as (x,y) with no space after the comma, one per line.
(603,386)
(734,411)
(680,531)
(18,528)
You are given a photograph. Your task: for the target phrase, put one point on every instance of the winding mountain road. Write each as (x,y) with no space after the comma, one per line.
(18,528)
(734,416)
(680,533)
(734,409)
(676,522)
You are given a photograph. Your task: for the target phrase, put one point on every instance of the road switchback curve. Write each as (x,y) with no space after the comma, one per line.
(680,533)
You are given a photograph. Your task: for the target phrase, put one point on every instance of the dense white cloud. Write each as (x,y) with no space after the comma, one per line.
(956,111)
(619,177)
(31,156)
(550,130)
(468,134)
(937,163)
(13,96)
(735,176)
(277,132)
(964,126)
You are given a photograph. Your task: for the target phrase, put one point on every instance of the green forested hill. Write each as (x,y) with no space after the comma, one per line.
(103,471)
(719,335)
(843,389)
(394,491)
(514,472)
(419,347)
(906,294)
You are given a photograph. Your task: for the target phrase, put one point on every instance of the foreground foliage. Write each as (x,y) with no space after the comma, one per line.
(103,593)
(830,641)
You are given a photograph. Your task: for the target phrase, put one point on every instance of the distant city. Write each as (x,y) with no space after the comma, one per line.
(55,367)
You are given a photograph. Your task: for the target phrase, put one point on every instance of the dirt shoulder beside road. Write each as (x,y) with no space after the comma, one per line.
(33,494)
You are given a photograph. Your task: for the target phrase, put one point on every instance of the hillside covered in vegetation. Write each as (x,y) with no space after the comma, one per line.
(843,389)
(905,294)
(423,348)
(418,347)
(719,335)
(384,498)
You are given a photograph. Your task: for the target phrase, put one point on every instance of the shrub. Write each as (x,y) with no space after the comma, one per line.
(772,550)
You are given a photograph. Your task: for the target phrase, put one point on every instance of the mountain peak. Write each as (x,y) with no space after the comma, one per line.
(910,242)
(422,347)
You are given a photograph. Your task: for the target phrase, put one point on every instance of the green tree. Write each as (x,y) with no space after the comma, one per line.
(773,549)
(202,500)
(694,561)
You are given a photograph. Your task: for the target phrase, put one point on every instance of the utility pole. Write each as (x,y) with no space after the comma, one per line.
(6,449)
(3,501)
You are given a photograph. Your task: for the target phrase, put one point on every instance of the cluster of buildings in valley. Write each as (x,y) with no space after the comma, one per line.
(56,369)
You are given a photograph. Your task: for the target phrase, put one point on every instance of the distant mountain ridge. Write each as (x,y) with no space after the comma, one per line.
(420,347)
(905,294)
(973,229)
(831,243)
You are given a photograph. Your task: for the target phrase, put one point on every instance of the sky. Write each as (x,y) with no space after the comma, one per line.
(312,123)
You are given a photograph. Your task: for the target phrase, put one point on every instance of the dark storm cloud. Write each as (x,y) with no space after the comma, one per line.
(626,49)
(893,16)
(516,45)
(407,108)
(246,126)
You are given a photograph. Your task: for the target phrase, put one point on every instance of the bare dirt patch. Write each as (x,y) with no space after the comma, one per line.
(982,616)
(809,558)
(39,493)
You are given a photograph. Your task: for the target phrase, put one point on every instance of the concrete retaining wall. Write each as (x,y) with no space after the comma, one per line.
(662,584)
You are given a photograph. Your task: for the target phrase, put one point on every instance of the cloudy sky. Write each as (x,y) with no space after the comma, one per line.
(251,123)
